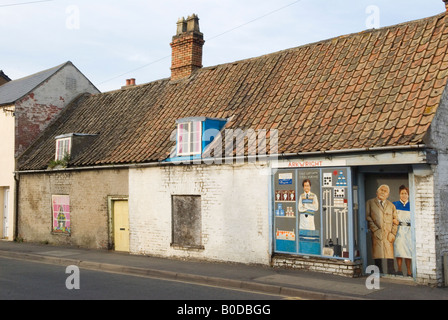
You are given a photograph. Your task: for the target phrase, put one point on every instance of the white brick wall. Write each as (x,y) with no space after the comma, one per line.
(234,207)
(436,226)
(425,228)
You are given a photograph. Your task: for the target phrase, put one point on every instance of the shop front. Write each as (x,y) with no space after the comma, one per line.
(342,215)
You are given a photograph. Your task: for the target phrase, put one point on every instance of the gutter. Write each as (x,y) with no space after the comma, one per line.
(224,159)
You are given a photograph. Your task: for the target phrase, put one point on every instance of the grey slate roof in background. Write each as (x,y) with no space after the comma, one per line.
(14,90)
(4,76)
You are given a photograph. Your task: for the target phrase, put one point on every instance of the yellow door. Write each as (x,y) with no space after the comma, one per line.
(121,226)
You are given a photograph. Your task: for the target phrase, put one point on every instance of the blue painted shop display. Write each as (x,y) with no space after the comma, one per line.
(311,212)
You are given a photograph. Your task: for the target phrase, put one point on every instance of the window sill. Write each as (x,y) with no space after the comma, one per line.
(187,247)
(60,234)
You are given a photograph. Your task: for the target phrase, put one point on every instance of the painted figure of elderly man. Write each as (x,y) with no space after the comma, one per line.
(382,218)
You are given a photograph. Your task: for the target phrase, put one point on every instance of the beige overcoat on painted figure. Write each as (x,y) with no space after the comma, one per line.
(383,223)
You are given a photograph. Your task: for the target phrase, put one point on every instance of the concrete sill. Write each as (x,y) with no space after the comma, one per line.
(186,247)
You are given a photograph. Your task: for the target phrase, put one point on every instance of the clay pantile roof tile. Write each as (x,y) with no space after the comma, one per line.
(370,89)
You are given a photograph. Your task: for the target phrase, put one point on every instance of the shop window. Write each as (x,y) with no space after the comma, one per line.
(61,214)
(312,212)
(186,221)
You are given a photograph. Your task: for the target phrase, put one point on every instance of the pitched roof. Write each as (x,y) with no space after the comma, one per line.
(371,89)
(14,90)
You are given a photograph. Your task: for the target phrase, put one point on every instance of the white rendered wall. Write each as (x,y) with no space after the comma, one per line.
(234,207)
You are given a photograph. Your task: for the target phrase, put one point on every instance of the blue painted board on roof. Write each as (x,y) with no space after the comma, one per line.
(210,128)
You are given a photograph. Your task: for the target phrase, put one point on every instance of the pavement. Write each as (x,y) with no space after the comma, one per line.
(292,284)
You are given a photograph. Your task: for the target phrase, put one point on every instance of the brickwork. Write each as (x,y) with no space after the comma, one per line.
(88,191)
(30,124)
(186,49)
(322,265)
(434,219)
(425,245)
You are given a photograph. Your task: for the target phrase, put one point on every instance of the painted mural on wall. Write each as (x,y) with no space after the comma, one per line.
(285,211)
(61,214)
(313,216)
(311,212)
(335,210)
(388,216)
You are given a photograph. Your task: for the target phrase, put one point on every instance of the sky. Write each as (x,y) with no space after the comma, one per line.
(110,41)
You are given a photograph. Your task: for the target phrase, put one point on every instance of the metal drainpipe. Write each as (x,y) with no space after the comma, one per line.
(16,206)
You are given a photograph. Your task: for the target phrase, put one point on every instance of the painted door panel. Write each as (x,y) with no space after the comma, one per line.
(5,213)
(121,226)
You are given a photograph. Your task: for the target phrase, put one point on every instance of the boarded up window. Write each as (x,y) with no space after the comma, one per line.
(70,84)
(186,228)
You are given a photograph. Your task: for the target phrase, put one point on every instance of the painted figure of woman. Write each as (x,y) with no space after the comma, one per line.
(403,242)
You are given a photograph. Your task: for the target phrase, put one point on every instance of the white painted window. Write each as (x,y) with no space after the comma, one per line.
(189,138)
(63,148)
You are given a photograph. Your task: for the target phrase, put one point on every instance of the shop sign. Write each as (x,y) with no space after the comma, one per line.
(316,163)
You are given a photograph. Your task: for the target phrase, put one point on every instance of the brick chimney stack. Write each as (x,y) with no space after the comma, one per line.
(186,48)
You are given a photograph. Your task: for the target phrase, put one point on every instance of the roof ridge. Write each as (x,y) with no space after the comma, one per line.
(271,54)
(345,36)
(43,71)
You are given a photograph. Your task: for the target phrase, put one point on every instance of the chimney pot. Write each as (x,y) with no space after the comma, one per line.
(446,4)
(181,26)
(132,82)
(128,82)
(193,23)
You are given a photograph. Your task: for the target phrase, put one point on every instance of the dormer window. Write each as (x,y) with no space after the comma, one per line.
(189,138)
(69,145)
(193,136)
(63,148)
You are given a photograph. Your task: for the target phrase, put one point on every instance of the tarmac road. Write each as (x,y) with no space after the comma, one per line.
(254,278)
(25,280)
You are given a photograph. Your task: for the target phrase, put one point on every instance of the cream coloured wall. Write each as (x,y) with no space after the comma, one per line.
(7,165)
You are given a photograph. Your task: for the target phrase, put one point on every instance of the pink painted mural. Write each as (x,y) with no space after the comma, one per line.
(61,214)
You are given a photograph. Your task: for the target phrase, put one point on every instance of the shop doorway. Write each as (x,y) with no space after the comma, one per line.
(388,215)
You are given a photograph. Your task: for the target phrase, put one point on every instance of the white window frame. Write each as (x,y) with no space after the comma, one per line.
(185,130)
(63,147)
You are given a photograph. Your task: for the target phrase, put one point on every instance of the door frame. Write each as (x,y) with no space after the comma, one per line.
(110,208)
(5,213)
